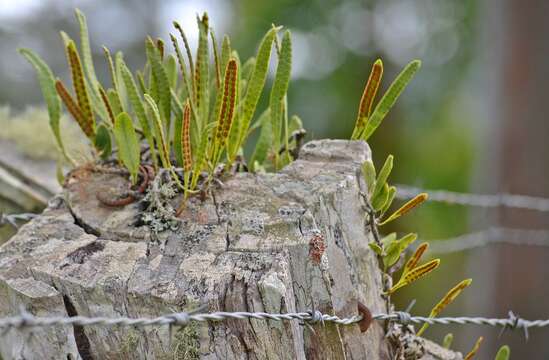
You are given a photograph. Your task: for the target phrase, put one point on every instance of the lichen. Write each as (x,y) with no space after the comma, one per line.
(158,212)
(128,346)
(185,344)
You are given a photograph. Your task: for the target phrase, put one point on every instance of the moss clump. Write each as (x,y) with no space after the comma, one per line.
(185,344)
(129,345)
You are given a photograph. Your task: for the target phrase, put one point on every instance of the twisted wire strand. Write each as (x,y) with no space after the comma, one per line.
(405,192)
(12,219)
(26,320)
(495,235)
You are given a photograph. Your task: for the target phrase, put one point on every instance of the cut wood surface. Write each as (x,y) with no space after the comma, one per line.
(290,241)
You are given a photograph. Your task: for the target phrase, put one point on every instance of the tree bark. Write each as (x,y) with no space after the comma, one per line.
(290,241)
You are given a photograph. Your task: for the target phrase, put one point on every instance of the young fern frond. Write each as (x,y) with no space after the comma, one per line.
(395,248)
(503,353)
(381,180)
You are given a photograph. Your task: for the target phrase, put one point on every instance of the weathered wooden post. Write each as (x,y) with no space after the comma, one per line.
(283,242)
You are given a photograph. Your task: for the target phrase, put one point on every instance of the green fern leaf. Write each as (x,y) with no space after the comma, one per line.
(256,83)
(280,87)
(138,108)
(381,180)
(161,80)
(128,145)
(390,97)
(47,86)
(102,141)
(159,132)
(264,141)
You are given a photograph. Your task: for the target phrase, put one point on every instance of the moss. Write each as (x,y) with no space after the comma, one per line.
(185,344)
(129,345)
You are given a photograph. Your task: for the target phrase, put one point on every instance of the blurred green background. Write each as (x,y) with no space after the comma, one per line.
(461,125)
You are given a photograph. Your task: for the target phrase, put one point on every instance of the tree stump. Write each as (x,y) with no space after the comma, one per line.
(285,242)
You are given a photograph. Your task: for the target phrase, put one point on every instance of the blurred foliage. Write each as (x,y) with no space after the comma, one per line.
(30,132)
(429,131)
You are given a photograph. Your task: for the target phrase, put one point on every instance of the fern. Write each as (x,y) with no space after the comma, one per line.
(128,145)
(278,92)
(389,98)
(81,90)
(256,84)
(161,80)
(47,86)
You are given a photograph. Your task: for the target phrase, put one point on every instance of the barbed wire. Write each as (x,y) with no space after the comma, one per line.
(12,219)
(494,235)
(27,320)
(405,192)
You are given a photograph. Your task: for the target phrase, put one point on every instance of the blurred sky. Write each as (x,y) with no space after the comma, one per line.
(448,130)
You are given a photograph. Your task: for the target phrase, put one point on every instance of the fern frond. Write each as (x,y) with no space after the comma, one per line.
(389,98)
(138,108)
(278,92)
(368,96)
(202,71)
(80,89)
(159,132)
(74,109)
(256,83)
(186,138)
(187,48)
(105,99)
(161,80)
(217,61)
(47,86)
